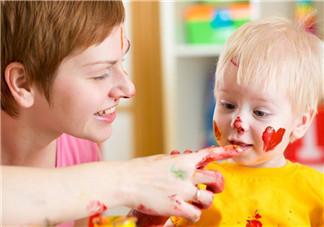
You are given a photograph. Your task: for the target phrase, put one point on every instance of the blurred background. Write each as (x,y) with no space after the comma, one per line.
(175,46)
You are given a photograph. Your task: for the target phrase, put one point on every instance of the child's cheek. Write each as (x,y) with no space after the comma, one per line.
(271,138)
(217,133)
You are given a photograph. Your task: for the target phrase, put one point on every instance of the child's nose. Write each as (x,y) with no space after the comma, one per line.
(239,124)
(124,88)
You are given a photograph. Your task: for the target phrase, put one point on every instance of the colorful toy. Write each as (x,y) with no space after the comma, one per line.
(114,221)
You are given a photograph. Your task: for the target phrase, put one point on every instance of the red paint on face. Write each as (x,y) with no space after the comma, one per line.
(234,62)
(217,132)
(238,125)
(272,138)
(254,222)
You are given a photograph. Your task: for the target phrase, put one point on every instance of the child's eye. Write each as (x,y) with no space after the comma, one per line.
(260,113)
(227,105)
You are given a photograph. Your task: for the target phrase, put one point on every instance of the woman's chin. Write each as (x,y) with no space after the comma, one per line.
(100,136)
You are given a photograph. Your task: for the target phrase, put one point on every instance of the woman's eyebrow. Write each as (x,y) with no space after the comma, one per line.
(100,62)
(109,62)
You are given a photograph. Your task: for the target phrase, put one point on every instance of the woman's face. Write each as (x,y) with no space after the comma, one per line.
(87,90)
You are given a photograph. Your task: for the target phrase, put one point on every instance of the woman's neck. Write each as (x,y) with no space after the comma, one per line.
(22,144)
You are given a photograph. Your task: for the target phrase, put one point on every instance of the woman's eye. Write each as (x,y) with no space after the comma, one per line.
(103,76)
(260,113)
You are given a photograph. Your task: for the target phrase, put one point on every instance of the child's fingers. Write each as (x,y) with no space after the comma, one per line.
(213,153)
(214,180)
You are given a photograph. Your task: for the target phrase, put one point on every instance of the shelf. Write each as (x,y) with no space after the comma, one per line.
(198,50)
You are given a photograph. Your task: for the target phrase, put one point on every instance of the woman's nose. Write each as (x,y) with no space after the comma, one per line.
(123,88)
(239,125)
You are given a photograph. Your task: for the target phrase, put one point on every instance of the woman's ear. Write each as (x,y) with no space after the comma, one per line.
(302,124)
(17,81)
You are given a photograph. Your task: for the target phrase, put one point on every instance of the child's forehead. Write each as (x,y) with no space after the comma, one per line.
(262,87)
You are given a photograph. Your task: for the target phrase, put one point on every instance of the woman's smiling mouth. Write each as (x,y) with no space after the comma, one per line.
(107,115)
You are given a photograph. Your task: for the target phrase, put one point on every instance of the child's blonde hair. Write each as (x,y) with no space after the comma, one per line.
(274,53)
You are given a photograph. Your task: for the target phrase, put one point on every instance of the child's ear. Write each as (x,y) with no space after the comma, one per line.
(17,81)
(302,124)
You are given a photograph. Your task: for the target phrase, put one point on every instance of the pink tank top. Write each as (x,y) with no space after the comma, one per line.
(72,151)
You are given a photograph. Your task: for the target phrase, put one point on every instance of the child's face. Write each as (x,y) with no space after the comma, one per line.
(87,90)
(242,113)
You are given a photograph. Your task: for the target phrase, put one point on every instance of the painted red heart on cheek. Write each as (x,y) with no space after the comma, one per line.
(272,138)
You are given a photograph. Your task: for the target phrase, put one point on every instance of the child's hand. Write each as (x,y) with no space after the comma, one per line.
(166,185)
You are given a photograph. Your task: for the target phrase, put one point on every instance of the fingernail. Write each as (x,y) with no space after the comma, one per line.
(174,152)
(195,218)
(187,151)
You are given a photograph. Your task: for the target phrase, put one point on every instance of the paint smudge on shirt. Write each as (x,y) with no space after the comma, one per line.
(255,222)
(272,138)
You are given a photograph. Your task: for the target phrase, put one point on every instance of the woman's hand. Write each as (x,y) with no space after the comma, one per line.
(166,185)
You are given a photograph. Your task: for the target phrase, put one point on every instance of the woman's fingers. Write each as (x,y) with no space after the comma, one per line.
(188,211)
(174,152)
(203,199)
(145,220)
(213,153)
(213,180)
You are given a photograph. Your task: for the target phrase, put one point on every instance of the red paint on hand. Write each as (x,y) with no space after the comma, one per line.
(272,138)
(146,210)
(227,152)
(238,125)
(95,208)
(218,185)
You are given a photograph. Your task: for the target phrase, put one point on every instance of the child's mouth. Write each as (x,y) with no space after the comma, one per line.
(243,145)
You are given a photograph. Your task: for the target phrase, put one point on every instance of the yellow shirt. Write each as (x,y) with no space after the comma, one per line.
(292,195)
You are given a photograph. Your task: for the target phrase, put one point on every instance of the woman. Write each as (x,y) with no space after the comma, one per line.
(62,79)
